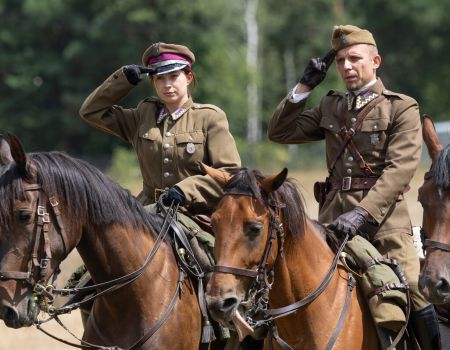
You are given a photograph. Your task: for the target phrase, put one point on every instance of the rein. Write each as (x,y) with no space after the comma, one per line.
(263,279)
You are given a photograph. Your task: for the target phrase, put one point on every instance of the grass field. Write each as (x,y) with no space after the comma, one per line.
(33,339)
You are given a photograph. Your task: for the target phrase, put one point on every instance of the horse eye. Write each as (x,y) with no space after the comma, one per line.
(253,229)
(23,215)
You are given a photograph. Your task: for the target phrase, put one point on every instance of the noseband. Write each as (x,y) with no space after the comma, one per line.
(42,226)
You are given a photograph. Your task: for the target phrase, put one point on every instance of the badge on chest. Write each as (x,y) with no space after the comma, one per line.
(190,148)
(375,138)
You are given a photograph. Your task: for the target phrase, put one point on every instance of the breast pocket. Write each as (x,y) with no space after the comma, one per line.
(190,145)
(373,135)
(149,139)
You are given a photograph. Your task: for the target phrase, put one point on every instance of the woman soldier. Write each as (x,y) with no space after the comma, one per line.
(171,133)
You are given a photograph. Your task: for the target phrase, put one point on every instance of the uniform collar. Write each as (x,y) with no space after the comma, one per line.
(176,114)
(359,98)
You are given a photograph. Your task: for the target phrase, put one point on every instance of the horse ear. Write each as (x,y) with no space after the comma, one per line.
(18,153)
(219,176)
(430,137)
(272,183)
(5,151)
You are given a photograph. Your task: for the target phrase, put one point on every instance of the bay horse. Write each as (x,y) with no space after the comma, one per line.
(50,204)
(264,238)
(434,195)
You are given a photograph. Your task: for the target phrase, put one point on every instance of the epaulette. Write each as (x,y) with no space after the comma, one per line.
(335,93)
(206,105)
(151,99)
(387,92)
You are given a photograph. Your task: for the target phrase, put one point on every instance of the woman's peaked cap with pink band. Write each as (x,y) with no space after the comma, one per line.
(165,58)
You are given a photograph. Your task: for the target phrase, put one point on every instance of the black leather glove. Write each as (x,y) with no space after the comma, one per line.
(175,195)
(133,73)
(350,222)
(316,70)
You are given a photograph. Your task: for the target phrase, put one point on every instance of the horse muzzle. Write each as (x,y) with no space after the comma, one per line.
(21,315)
(435,288)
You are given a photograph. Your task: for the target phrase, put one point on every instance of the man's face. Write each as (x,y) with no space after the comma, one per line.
(357,65)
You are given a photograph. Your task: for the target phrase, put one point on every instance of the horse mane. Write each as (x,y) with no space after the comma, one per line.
(86,194)
(246,181)
(441,173)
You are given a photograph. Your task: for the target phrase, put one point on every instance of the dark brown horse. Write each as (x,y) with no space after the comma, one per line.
(50,204)
(263,236)
(434,195)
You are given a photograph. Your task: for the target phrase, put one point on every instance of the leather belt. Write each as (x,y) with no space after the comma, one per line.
(349,183)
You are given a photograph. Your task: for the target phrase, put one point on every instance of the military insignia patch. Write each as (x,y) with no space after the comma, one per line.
(365,98)
(343,39)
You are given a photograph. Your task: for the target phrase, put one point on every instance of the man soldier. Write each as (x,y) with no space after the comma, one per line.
(367,177)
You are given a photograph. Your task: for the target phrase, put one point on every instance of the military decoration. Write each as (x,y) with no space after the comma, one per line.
(190,148)
(375,138)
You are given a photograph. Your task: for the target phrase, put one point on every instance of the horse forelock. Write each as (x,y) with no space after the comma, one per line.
(288,194)
(85,193)
(10,188)
(441,169)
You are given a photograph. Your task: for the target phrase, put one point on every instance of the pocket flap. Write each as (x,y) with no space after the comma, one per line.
(193,137)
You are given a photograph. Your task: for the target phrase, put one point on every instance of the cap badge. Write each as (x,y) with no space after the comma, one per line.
(343,39)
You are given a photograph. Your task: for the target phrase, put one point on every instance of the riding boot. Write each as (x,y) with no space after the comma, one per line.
(426,328)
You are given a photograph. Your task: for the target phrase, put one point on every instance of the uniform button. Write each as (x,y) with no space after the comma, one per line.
(349,171)
(146,134)
(168,134)
(166,160)
(375,127)
(350,159)
(353,120)
(166,146)
(166,174)
(331,125)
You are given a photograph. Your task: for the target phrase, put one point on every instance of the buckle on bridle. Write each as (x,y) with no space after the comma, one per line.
(346,183)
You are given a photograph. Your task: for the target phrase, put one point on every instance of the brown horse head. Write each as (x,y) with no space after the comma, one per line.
(434,195)
(243,228)
(17,307)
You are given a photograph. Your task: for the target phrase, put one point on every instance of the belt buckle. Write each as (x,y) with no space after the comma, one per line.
(158,193)
(346,183)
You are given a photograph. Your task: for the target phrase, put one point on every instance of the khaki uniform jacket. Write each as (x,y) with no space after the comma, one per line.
(389,139)
(168,152)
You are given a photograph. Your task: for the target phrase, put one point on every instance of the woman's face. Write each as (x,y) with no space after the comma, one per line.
(172,88)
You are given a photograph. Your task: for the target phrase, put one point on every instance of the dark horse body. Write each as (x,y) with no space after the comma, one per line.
(434,195)
(299,257)
(113,234)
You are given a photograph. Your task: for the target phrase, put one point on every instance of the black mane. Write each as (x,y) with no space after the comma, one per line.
(441,169)
(85,193)
(246,181)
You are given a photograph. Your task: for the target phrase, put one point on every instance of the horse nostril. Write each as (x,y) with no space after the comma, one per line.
(443,286)
(229,304)
(10,316)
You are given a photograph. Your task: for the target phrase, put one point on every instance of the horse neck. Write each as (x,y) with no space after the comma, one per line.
(116,250)
(305,263)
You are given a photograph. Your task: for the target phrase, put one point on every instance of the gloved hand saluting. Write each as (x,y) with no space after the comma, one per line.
(133,73)
(316,70)
(175,195)
(350,222)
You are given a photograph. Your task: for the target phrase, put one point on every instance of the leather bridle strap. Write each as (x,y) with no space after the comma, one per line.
(429,243)
(235,271)
(289,309)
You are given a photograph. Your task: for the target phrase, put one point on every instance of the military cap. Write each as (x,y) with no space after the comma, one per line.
(165,58)
(347,35)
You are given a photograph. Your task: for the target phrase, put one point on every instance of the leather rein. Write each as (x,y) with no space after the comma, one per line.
(429,243)
(46,292)
(258,300)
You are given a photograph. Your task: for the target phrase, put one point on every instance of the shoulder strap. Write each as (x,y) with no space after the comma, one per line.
(347,135)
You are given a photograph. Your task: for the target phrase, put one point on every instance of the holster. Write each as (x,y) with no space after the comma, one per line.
(321,189)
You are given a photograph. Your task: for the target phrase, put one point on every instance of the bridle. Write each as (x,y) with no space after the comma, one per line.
(258,314)
(41,256)
(429,243)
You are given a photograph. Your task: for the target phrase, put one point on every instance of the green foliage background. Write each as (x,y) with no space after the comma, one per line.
(53,53)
